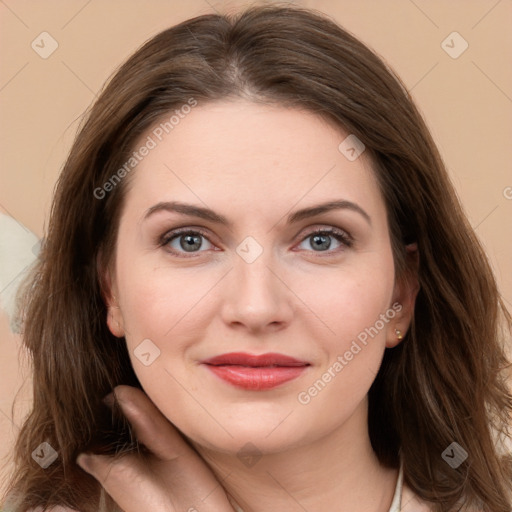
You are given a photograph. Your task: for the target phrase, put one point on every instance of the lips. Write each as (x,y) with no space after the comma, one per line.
(256,372)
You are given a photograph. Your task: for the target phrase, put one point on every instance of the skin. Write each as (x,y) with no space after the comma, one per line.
(256,164)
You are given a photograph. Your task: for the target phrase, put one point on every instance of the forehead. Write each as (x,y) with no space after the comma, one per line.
(242,153)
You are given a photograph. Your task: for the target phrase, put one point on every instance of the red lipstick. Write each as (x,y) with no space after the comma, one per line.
(255,372)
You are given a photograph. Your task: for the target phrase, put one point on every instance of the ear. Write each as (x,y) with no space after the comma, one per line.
(404,298)
(115,321)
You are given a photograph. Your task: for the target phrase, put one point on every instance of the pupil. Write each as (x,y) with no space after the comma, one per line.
(322,241)
(190,242)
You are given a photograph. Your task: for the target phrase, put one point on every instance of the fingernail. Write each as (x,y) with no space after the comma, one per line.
(109,399)
(84,461)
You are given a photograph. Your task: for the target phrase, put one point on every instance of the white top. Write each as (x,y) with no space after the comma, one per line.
(396,504)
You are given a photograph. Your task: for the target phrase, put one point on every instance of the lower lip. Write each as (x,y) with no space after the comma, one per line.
(256,378)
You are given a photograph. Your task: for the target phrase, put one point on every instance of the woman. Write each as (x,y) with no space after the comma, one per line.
(255,245)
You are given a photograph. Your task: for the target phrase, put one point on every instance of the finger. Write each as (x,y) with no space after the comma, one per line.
(151,427)
(125,480)
(100,467)
(180,468)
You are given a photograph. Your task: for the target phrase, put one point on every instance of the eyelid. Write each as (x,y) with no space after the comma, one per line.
(327,228)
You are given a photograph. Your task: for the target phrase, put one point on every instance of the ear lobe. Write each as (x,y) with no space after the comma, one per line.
(108,291)
(114,316)
(115,321)
(405,293)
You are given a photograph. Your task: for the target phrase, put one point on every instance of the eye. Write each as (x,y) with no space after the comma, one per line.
(182,241)
(321,239)
(185,241)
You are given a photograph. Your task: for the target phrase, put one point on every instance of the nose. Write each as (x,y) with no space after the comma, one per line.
(257,296)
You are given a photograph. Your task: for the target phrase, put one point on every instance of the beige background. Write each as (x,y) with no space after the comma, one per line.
(467,103)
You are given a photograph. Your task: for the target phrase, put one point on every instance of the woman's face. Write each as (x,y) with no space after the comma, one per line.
(246,274)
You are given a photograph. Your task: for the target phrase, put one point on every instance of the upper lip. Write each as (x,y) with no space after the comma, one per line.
(242,359)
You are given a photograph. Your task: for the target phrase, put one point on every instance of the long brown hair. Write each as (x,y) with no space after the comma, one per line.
(444,383)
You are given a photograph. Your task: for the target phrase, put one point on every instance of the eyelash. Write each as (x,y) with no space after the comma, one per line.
(339,235)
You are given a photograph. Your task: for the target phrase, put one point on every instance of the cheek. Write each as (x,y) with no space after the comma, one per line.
(159,302)
(355,310)
(349,301)
(359,316)
(162,308)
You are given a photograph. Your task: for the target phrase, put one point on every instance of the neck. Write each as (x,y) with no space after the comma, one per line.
(339,468)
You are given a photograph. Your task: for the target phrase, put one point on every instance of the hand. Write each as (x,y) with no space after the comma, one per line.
(174,478)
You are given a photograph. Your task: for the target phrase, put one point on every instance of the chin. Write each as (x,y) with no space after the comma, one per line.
(250,439)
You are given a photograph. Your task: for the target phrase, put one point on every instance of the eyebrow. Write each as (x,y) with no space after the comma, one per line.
(207,214)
